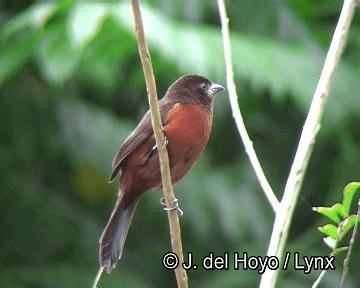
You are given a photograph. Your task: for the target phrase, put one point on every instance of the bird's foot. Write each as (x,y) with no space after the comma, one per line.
(166,142)
(174,207)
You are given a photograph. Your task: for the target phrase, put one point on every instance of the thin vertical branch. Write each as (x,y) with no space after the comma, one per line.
(351,245)
(237,113)
(311,127)
(180,272)
(97,278)
(323,272)
(319,279)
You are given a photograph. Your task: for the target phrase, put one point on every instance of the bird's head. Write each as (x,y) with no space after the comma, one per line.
(194,89)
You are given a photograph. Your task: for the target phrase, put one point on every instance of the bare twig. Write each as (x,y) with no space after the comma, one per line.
(319,279)
(323,272)
(311,127)
(97,278)
(237,113)
(180,272)
(351,245)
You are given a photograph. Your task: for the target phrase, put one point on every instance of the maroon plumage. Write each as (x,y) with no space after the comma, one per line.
(186,113)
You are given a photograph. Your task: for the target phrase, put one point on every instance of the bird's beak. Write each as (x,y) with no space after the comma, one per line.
(215,88)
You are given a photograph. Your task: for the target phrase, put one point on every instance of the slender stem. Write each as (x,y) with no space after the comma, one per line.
(237,113)
(319,279)
(180,272)
(322,274)
(97,278)
(351,245)
(311,127)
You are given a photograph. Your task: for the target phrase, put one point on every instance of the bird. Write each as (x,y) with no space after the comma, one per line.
(186,113)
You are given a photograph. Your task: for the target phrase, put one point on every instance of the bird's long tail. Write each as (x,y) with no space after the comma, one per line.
(113,238)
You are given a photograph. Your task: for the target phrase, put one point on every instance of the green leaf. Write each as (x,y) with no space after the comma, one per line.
(266,64)
(339,209)
(349,191)
(347,225)
(330,230)
(34,17)
(85,21)
(57,58)
(15,53)
(333,213)
(330,242)
(103,56)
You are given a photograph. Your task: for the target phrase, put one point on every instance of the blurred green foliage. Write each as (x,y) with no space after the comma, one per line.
(72,89)
(341,220)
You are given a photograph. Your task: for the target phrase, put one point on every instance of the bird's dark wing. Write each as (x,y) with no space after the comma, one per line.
(138,136)
(142,132)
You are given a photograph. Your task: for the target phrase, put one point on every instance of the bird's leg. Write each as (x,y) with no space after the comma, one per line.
(175,206)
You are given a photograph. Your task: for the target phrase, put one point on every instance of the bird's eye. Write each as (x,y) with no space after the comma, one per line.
(203,86)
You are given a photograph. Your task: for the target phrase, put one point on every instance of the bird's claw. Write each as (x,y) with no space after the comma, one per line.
(174,207)
(166,142)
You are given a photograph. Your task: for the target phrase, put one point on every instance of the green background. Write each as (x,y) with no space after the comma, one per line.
(72,89)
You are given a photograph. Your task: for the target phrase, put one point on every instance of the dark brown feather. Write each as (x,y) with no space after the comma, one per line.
(142,132)
(113,238)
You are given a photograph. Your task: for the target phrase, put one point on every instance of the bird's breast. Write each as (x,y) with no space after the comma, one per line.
(187,129)
(188,125)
